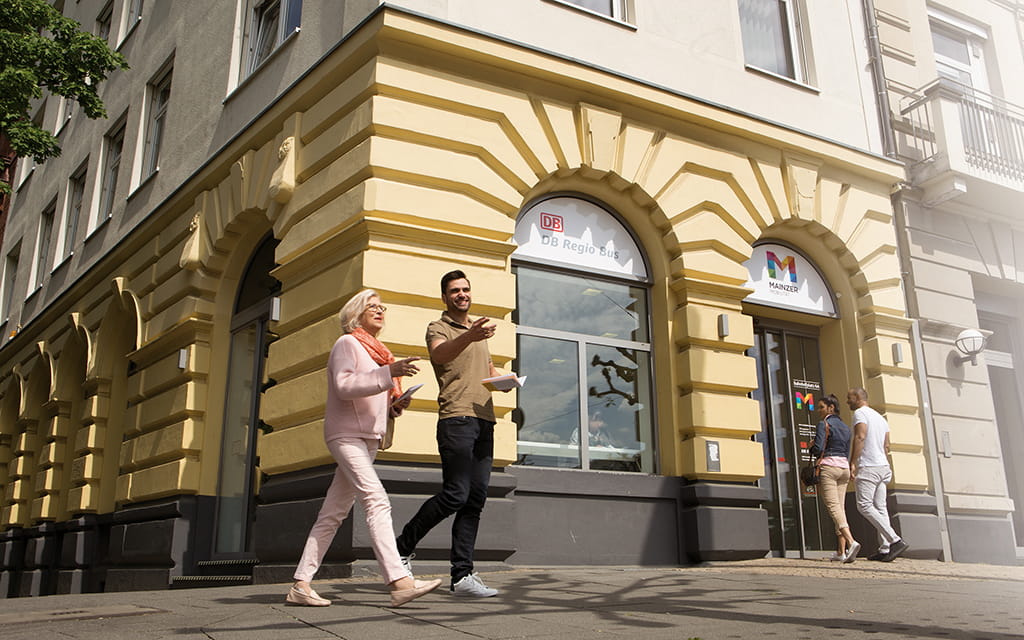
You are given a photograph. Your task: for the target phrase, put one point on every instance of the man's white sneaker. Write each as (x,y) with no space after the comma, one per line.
(407,563)
(472,586)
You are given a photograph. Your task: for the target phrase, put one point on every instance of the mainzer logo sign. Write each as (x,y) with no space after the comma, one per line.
(782,277)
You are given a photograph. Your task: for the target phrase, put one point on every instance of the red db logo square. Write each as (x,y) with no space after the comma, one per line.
(551,222)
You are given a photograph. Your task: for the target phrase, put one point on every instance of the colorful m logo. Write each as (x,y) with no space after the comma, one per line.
(776,266)
(802,400)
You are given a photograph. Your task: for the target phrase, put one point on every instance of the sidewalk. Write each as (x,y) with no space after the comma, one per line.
(790,599)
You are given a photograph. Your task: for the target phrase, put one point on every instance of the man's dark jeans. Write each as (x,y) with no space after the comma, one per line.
(466,445)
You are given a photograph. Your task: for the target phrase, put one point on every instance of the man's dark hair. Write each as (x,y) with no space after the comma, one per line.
(448,277)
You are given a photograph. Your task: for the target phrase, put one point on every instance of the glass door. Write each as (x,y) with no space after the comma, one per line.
(789,382)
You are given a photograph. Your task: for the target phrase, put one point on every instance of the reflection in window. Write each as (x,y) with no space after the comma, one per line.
(582,305)
(582,342)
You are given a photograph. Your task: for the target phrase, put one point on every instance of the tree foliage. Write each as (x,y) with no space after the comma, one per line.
(40,49)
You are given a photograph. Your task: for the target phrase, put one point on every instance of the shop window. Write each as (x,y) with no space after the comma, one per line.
(583,342)
(772,37)
(270,23)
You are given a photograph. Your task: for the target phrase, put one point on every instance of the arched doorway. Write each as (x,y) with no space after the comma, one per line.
(791,301)
(248,350)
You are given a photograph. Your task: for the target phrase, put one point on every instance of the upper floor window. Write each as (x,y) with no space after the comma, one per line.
(110,170)
(73,210)
(10,276)
(772,37)
(959,50)
(43,244)
(103,22)
(612,8)
(270,22)
(159,97)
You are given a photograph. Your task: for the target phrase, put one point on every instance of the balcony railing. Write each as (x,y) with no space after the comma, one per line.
(950,120)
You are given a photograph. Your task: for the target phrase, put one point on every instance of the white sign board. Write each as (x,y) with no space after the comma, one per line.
(578,234)
(784,278)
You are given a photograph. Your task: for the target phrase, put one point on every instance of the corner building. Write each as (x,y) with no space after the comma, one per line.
(681,276)
(952,72)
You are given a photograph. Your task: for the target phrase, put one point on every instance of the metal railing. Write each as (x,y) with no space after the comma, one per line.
(991,129)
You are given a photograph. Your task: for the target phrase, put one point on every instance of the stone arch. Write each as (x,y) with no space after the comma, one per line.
(10,408)
(72,367)
(96,467)
(33,425)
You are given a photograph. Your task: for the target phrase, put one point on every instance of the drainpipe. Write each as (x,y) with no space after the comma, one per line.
(924,397)
(878,79)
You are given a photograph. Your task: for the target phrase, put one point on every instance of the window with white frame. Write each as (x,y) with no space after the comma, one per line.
(156,122)
(612,8)
(772,37)
(268,24)
(42,261)
(959,49)
(10,277)
(73,210)
(113,146)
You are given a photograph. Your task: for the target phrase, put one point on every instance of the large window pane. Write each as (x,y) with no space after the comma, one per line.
(619,409)
(549,406)
(581,305)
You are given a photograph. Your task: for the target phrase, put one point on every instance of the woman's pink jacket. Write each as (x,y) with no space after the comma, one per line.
(357,393)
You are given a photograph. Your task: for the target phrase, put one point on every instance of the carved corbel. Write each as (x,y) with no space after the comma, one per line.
(197,248)
(130,303)
(282,183)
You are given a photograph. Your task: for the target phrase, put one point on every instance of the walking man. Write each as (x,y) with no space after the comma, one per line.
(869,466)
(465,433)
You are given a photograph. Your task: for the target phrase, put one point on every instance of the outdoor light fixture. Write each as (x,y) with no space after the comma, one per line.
(970,342)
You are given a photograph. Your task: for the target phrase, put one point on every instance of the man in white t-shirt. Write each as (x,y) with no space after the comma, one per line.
(869,466)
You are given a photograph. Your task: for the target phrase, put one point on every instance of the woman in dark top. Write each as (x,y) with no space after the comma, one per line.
(834,473)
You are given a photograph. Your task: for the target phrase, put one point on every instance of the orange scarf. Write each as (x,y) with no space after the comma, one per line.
(379,353)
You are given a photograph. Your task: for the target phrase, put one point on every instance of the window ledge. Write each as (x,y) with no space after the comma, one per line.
(602,16)
(775,76)
(63,261)
(145,181)
(34,292)
(99,225)
(128,33)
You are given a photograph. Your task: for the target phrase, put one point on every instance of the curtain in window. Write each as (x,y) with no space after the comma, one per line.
(764,25)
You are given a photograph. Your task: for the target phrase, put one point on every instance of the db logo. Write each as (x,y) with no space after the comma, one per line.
(551,222)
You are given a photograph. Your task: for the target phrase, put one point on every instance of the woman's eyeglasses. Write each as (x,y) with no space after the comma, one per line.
(376,307)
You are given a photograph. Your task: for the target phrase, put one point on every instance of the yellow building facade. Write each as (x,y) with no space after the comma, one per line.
(410,150)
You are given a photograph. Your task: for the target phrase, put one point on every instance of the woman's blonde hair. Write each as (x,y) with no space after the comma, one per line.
(354,308)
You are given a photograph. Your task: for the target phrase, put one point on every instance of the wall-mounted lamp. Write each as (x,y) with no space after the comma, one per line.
(723,325)
(183,359)
(897,353)
(970,342)
(275,309)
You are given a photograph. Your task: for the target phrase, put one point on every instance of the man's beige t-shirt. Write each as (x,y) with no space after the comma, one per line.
(460,391)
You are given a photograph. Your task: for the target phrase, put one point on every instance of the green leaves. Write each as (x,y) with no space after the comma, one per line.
(40,49)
